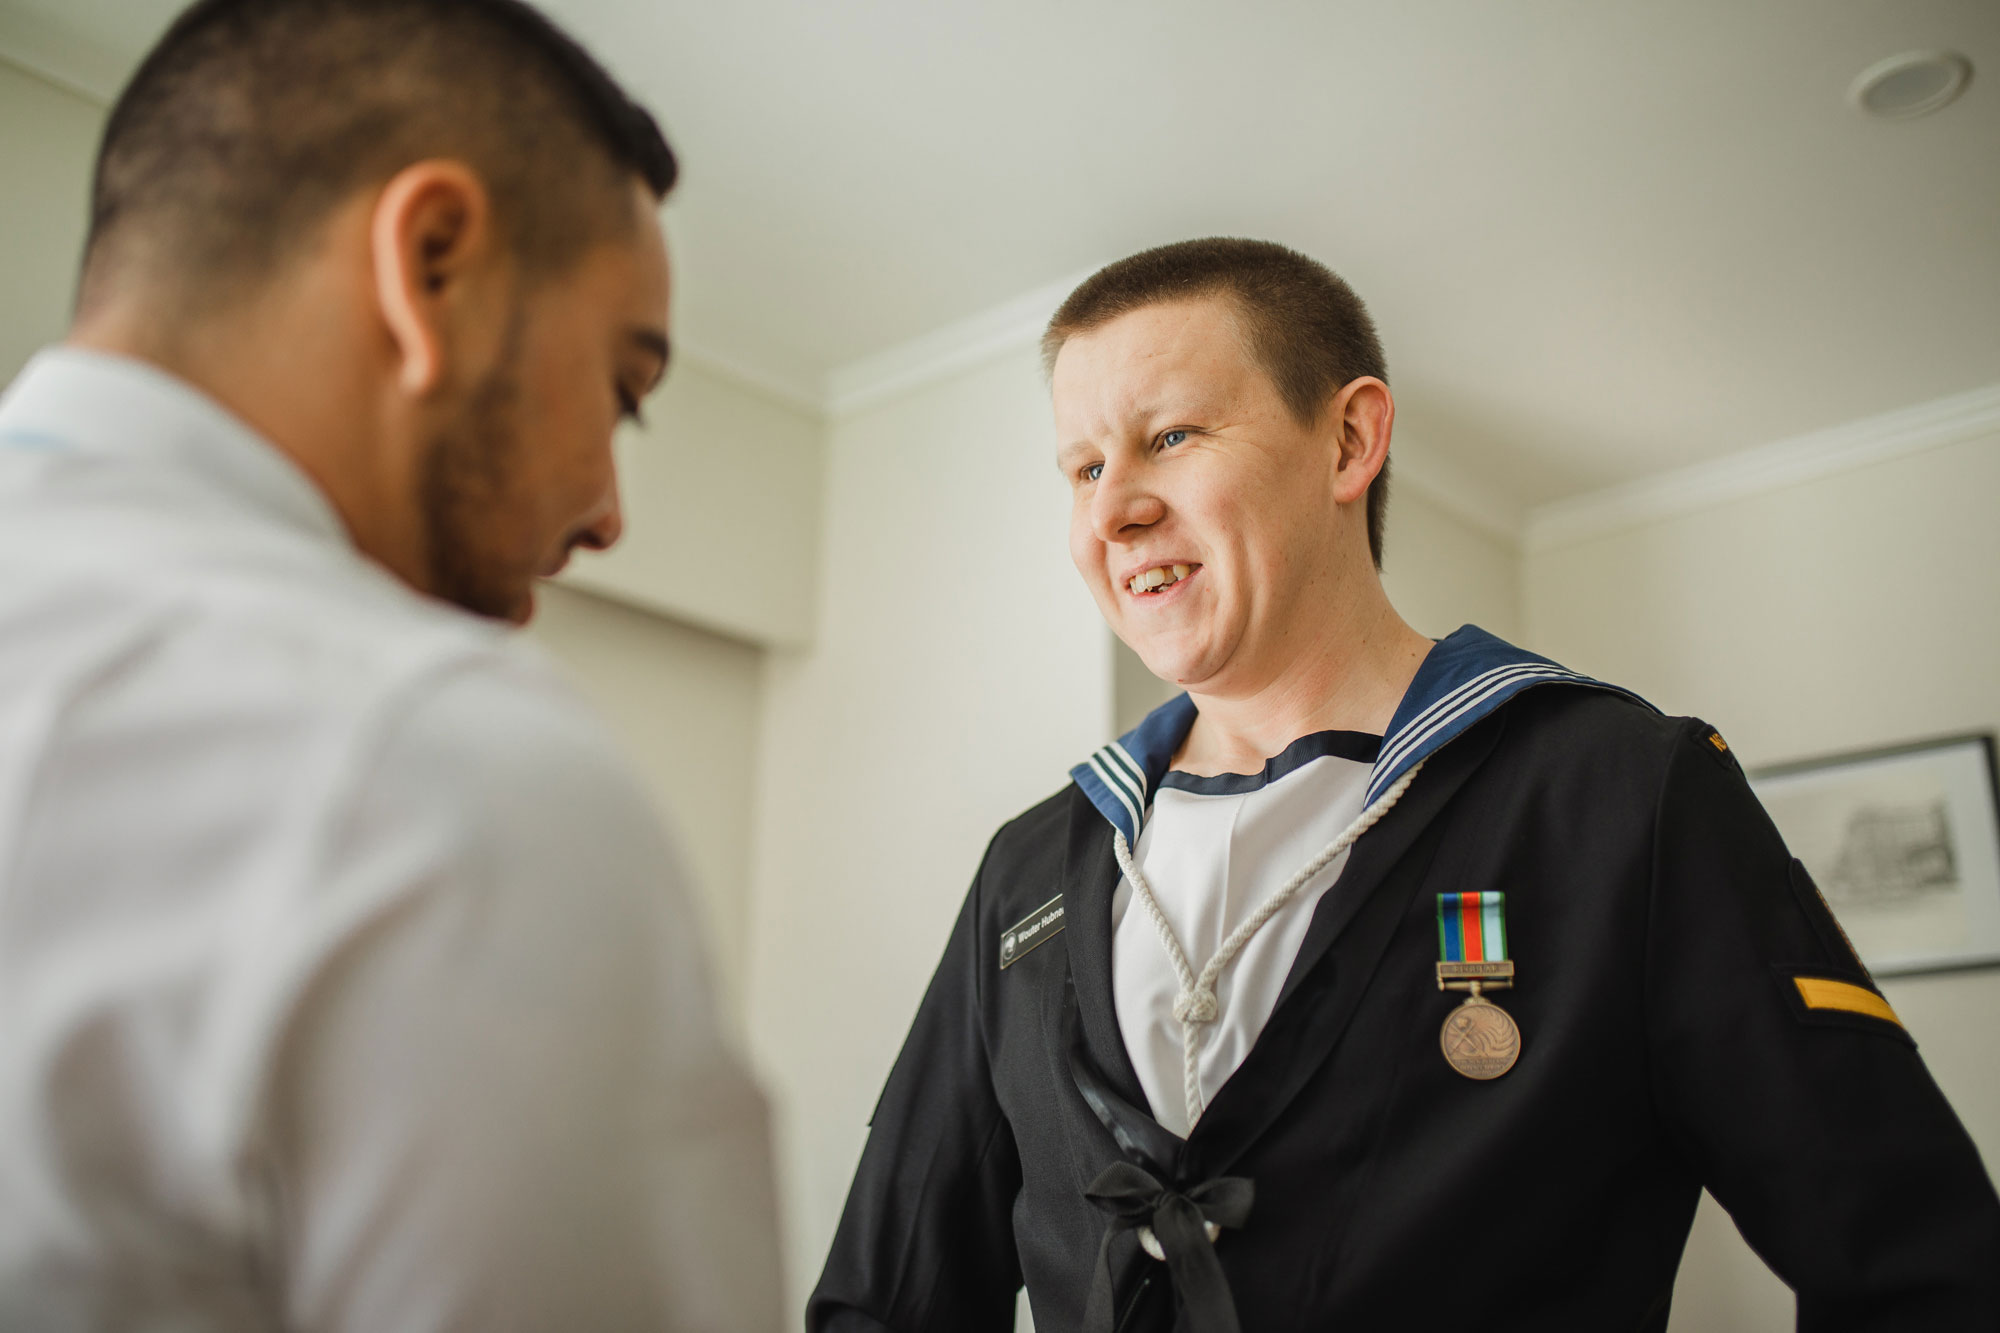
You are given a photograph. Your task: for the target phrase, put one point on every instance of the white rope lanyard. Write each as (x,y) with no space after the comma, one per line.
(1196,1003)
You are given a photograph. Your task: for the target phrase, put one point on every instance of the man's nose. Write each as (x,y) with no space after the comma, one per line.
(606,525)
(1122,503)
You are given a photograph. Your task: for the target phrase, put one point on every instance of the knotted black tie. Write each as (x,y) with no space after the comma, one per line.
(1134,1199)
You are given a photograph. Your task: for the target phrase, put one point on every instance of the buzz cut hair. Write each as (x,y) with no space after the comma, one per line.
(1305,326)
(251,121)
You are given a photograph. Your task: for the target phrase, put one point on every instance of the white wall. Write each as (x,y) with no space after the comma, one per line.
(48,137)
(960,670)
(1442,572)
(722,496)
(1853,610)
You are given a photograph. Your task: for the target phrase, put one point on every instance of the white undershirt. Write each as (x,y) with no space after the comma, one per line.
(1213,849)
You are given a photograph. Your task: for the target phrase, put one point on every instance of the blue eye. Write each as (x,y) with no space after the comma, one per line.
(1093,472)
(1173,437)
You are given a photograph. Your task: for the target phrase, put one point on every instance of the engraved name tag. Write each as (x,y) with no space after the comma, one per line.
(1031,932)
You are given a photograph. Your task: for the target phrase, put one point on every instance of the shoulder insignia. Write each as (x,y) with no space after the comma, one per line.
(1845,996)
(1828,1001)
(1709,741)
(1840,950)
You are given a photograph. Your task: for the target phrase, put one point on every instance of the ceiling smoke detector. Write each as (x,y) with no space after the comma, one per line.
(1915,83)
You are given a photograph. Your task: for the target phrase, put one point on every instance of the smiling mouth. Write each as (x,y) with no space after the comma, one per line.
(1152,582)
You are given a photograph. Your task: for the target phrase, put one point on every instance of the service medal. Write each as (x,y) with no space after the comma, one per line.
(1479,1039)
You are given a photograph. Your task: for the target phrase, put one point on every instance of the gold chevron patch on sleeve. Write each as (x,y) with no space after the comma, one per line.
(1845,996)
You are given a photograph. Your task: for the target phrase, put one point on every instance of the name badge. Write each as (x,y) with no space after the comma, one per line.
(1031,932)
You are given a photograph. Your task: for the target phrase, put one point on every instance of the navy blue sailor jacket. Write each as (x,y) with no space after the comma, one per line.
(1661,932)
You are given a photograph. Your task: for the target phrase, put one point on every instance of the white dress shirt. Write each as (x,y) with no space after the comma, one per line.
(346,980)
(1213,849)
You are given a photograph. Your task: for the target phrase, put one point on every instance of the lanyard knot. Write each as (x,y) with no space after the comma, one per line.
(1195,1006)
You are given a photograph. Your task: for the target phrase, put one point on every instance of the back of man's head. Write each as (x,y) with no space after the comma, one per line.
(251,120)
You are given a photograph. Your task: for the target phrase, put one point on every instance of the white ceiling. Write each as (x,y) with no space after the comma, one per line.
(1601,240)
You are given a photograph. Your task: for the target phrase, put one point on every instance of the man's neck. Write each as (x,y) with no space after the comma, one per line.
(1351,679)
(283,378)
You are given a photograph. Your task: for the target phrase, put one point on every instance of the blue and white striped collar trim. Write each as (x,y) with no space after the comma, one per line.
(1468,675)
(1121,777)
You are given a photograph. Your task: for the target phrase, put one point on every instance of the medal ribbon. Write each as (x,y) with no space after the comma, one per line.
(1472,927)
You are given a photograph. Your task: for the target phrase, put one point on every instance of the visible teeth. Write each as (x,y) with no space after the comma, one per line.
(1158,577)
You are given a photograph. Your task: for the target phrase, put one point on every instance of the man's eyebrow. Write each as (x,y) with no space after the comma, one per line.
(1148,416)
(1068,451)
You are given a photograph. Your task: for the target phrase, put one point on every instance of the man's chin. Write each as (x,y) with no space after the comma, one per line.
(1165,662)
(1198,668)
(514,603)
(523,609)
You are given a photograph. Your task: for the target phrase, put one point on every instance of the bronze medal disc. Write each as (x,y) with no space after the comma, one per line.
(1479,1039)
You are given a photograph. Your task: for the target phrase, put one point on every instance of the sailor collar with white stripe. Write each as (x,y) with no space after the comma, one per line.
(1468,675)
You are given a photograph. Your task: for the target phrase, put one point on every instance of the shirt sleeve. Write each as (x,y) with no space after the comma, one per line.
(926,1240)
(503,1102)
(1805,1109)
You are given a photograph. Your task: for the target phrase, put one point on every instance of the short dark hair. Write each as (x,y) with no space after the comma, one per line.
(1306,327)
(251,120)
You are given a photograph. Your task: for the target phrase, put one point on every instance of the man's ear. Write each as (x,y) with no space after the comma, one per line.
(1364,414)
(432,226)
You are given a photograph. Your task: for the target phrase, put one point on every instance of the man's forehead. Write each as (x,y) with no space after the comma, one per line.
(1170,350)
(650,236)
(631,281)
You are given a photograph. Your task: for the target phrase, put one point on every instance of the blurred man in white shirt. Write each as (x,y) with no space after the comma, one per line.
(346,979)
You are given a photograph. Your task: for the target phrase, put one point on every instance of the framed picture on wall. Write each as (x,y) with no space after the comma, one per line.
(1905,844)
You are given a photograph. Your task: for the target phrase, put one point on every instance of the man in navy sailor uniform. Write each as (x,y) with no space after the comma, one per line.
(1372,982)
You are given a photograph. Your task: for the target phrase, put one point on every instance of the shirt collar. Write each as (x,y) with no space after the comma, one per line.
(69,400)
(1465,677)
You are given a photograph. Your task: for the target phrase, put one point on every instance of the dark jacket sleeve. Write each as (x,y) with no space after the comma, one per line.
(1818,1128)
(926,1241)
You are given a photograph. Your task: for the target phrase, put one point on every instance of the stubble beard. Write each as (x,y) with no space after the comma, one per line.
(467,474)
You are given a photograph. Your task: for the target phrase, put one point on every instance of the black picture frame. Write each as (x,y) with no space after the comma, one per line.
(1904,842)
